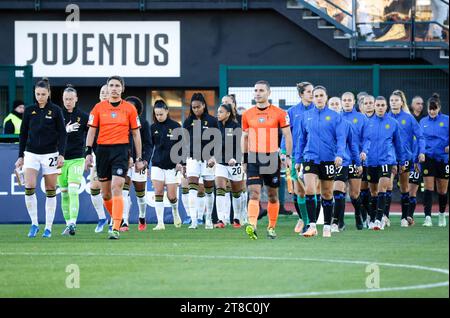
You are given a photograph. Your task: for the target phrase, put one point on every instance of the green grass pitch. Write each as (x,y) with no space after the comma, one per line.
(409,262)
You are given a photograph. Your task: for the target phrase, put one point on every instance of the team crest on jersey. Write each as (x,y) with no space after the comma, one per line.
(33,112)
(49,112)
(355,120)
(78,119)
(274,179)
(206,123)
(169,133)
(91,118)
(156,132)
(387,126)
(328,118)
(403,122)
(441,124)
(138,121)
(119,171)
(287,120)
(113,115)
(261,119)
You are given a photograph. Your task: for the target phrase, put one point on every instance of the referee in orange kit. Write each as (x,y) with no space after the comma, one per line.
(113,118)
(260,125)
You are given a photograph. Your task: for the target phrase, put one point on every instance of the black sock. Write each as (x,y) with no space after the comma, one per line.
(318,198)
(381,205)
(405,204)
(327,211)
(365,203)
(297,208)
(339,207)
(442,202)
(412,206)
(373,208)
(387,208)
(357,206)
(311,208)
(427,202)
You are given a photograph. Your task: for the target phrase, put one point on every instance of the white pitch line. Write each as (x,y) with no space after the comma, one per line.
(270,258)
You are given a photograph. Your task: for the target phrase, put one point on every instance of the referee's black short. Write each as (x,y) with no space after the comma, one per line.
(112,160)
(264,169)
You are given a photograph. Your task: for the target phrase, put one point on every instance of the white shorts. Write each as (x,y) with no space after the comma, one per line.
(195,168)
(137,176)
(232,173)
(47,162)
(168,176)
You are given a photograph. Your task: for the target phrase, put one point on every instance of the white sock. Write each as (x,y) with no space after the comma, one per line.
(159,207)
(97,202)
(193,202)
(50,208)
(201,205)
(228,207)
(220,207)
(31,203)
(237,209)
(209,205)
(142,206)
(126,205)
(244,203)
(185,200)
(174,207)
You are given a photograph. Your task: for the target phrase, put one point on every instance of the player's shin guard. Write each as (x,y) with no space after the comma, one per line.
(442,202)
(117,211)
(339,207)
(220,204)
(31,204)
(253,212)
(381,205)
(273,208)
(50,208)
(387,208)
(97,202)
(373,208)
(65,205)
(427,202)
(74,205)
(311,208)
(142,204)
(237,205)
(405,204)
(210,204)
(159,207)
(193,202)
(412,206)
(327,211)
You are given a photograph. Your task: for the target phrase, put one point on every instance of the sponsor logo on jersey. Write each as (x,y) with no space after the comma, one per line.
(387,126)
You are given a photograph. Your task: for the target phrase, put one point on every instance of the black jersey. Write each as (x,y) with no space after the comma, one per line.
(76,139)
(162,140)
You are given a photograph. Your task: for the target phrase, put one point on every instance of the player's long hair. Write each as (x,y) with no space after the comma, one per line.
(198,97)
(229,108)
(160,104)
(137,103)
(402,96)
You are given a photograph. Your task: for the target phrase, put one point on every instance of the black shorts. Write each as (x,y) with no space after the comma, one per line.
(325,170)
(341,174)
(433,168)
(409,166)
(353,172)
(111,160)
(415,177)
(364,174)
(375,173)
(264,172)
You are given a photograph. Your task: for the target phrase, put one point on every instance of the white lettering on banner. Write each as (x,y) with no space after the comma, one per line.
(99,48)
(15,184)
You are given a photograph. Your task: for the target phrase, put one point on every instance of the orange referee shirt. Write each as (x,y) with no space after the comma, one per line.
(114,123)
(262,126)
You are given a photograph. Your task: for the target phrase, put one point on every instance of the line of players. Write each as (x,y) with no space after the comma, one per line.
(364,156)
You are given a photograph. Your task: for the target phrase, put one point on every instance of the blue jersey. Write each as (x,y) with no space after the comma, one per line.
(382,142)
(410,132)
(435,131)
(295,114)
(322,136)
(358,122)
(351,155)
